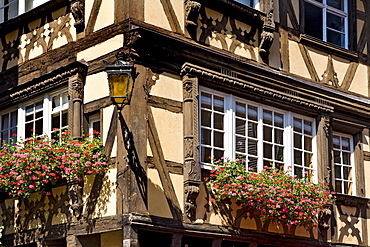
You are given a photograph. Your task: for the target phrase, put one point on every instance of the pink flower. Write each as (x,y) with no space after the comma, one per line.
(31,186)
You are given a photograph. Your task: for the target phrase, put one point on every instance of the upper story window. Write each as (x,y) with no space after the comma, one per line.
(42,116)
(327,20)
(343,163)
(250,3)
(12,8)
(261,135)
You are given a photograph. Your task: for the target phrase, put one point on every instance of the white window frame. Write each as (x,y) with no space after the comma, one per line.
(352,164)
(254,3)
(21,7)
(328,9)
(94,119)
(229,146)
(47,113)
(10,136)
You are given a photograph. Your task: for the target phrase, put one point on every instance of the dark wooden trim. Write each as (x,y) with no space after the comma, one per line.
(93,16)
(359,165)
(366,156)
(348,77)
(173,167)
(112,133)
(284,49)
(308,61)
(292,16)
(349,200)
(165,103)
(163,172)
(96,105)
(328,47)
(345,126)
(171,16)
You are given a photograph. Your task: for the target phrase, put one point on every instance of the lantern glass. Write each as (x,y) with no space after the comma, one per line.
(120,88)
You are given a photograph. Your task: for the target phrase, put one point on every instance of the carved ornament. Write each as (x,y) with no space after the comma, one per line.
(78,12)
(191,12)
(191,194)
(330,76)
(267,35)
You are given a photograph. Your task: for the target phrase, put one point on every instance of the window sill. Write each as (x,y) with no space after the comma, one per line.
(235,9)
(348,200)
(328,47)
(31,15)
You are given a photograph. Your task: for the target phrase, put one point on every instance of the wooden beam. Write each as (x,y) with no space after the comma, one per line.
(112,132)
(165,103)
(93,16)
(348,77)
(161,166)
(171,16)
(308,61)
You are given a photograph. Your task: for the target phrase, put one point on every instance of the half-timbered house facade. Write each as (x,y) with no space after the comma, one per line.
(277,82)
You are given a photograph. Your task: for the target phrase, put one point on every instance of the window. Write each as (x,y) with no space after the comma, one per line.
(332,16)
(41,116)
(262,136)
(343,163)
(94,125)
(250,3)
(12,8)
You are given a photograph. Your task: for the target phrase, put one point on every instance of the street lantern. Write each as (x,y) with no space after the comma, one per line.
(120,79)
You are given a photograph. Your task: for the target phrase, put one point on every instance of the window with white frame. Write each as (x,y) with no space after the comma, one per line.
(327,20)
(12,8)
(250,3)
(94,125)
(343,163)
(44,115)
(261,135)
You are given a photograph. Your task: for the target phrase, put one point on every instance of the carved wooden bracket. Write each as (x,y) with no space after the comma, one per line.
(267,35)
(191,12)
(75,192)
(78,12)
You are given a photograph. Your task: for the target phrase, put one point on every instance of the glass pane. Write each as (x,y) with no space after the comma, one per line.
(278,120)
(297,141)
(298,171)
(29,109)
(205,137)
(308,160)
(29,129)
(336,142)
(297,157)
(240,144)
(55,122)
(205,155)
(267,133)
(13,119)
(13,135)
(206,118)
(267,117)
(338,186)
(252,164)
(96,126)
(335,37)
(313,20)
(218,154)
(38,114)
(5,122)
(307,143)
(240,127)
(278,136)
(346,158)
(307,127)
(55,102)
(252,130)
(38,127)
(65,98)
(298,125)
(246,2)
(219,139)
(267,163)
(279,153)
(218,103)
(335,22)
(347,173)
(252,113)
(5,136)
(348,188)
(206,101)
(338,172)
(345,143)
(218,121)
(65,119)
(39,106)
(240,110)
(338,4)
(337,158)
(252,147)
(267,151)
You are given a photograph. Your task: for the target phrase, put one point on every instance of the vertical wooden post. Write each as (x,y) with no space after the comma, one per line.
(192,171)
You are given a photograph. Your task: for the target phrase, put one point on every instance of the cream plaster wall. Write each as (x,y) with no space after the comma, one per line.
(106,15)
(101,49)
(168,86)
(154,14)
(360,5)
(360,81)
(111,239)
(96,87)
(88,8)
(107,116)
(340,67)
(157,202)
(297,65)
(179,9)
(170,130)
(106,203)
(319,60)
(59,218)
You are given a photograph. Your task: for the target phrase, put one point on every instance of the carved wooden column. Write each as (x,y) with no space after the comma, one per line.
(192,171)
(359,164)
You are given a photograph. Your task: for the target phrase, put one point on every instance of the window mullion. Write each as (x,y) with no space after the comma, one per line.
(46,115)
(288,142)
(21,6)
(260,139)
(21,123)
(229,127)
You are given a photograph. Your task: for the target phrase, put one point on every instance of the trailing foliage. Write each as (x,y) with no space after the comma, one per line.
(271,194)
(38,162)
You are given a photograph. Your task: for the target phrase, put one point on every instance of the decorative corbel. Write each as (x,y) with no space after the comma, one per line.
(330,76)
(75,193)
(78,12)
(191,16)
(267,35)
